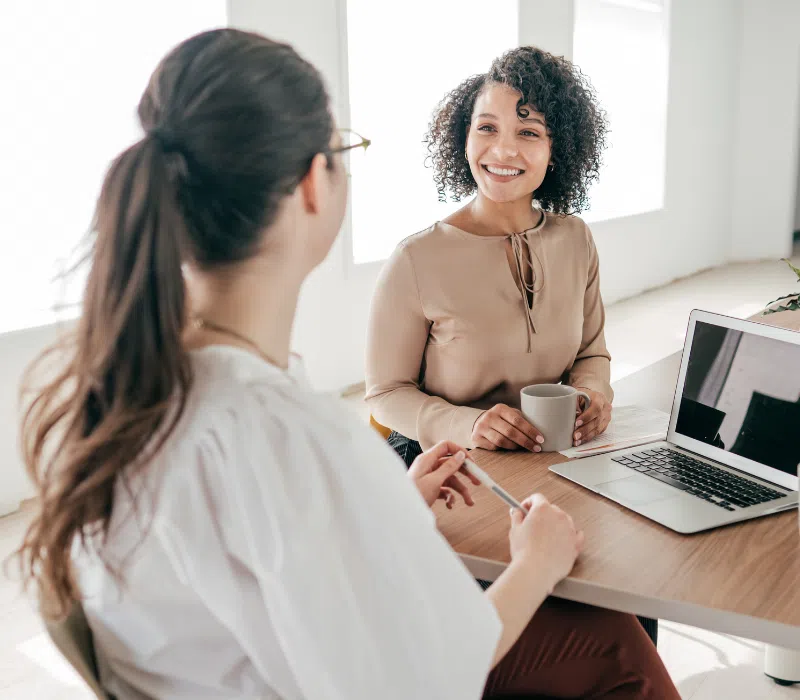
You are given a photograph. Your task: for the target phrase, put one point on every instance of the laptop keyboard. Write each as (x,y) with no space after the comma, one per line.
(699,479)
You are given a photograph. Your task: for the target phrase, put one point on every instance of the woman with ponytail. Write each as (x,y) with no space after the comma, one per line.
(230,533)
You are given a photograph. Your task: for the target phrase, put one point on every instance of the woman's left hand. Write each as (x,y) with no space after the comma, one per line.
(592,421)
(434,474)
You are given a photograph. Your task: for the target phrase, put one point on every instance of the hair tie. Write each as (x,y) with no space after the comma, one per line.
(165,138)
(177,159)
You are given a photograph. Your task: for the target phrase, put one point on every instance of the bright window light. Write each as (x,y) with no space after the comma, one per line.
(74,73)
(398,73)
(623,47)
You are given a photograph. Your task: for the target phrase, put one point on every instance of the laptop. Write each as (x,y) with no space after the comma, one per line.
(733,446)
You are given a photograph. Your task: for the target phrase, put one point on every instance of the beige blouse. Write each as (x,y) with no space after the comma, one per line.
(451,333)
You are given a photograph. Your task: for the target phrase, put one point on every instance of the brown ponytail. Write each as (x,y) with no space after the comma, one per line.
(127,367)
(232,121)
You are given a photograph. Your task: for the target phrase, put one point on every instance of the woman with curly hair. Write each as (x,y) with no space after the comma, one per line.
(505,292)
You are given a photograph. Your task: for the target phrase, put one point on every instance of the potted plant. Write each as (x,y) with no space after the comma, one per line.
(783,312)
(790,302)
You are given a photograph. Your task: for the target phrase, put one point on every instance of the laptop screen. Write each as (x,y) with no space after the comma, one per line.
(741,394)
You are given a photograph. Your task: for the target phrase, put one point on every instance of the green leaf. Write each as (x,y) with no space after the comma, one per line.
(792,306)
(795,269)
(788,296)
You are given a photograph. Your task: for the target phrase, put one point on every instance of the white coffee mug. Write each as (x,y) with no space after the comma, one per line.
(553,409)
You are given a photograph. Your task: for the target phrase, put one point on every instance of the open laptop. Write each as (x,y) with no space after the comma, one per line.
(733,446)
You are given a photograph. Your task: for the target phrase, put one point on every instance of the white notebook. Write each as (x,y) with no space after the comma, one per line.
(630,426)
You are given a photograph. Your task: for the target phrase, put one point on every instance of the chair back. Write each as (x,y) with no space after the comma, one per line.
(73,638)
(382,429)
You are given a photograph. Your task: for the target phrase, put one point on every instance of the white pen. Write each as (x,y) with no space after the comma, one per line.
(489,483)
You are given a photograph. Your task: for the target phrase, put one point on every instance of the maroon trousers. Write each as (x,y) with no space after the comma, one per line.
(570,650)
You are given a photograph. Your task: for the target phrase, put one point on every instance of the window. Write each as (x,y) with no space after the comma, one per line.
(623,47)
(400,67)
(74,74)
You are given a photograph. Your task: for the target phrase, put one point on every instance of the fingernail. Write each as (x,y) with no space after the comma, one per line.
(579,424)
(537,449)
(578,436)
(578,442)
(539,439)
(459,455)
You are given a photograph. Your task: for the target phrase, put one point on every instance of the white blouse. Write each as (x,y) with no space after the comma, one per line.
(288,555)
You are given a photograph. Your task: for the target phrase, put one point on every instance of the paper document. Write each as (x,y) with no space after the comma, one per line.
(630,426)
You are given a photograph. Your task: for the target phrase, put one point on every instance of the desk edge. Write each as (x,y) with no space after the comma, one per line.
(746,626)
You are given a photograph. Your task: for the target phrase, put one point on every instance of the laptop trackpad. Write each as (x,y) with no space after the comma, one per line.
(635,490)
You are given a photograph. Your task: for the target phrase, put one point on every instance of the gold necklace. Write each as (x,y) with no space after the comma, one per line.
(204,324)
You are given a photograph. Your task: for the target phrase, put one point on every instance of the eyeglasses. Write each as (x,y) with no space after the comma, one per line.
(350,140)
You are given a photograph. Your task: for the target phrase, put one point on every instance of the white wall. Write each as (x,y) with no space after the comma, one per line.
(797,177)
(547,24)
(797,202)
(17,349)
(692,231)
(766,161)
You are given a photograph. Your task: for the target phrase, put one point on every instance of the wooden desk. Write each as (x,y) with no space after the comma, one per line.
(743,579)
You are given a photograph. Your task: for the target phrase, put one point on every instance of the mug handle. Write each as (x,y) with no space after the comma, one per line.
(587,398)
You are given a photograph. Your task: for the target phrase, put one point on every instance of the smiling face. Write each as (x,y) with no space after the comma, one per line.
(508,147)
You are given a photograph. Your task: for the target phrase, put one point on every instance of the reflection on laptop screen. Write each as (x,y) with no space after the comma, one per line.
(742,395)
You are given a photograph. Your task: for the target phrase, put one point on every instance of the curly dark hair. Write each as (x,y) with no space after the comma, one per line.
(554,87)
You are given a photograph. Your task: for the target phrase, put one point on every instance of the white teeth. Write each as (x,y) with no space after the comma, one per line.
(502,171)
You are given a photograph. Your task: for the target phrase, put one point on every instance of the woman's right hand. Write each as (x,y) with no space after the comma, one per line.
(505,428)
(546,538)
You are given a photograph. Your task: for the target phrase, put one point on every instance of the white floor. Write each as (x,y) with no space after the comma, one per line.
(705,666)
